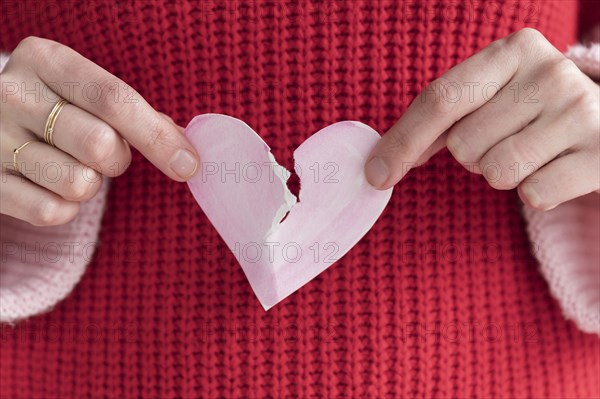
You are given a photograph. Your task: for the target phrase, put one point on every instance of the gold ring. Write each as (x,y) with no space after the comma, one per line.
(49,129)
(16,152)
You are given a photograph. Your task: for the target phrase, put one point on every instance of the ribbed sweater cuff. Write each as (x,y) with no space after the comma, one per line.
(587,58)
(41,265)
(565,239)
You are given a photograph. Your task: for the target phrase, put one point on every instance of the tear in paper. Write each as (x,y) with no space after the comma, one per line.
(243,192)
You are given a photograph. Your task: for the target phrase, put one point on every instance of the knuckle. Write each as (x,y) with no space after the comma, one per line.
(525,37)
(400,143)
(29,45)
(458,145)
(14,96)
(37,49)
(436,100)
(158,137)
(500,49)
(530,34)
(9,91)
(496,174)
(521,150)
(101,144)
(120,168)
(540,206)
(497,45)
(563,68)
(104,97)
(45,212)
(530,44)
(123,160)
(82,188)
(559,76)
(499,182)
(535,201)
(585,107)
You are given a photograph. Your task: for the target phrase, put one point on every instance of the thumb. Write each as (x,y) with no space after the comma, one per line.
(398,152)
(372,171)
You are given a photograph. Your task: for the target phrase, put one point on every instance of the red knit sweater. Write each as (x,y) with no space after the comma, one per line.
(442,298)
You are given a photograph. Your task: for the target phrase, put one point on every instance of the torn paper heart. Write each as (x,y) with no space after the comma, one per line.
(243,191)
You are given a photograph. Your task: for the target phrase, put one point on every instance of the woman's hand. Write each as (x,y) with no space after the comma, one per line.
(519,112)
(91,135)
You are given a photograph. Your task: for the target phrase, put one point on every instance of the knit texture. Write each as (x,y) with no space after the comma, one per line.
(564,242)
(587,58)
(571,265)
(41,265)
(442,298)
(565,239)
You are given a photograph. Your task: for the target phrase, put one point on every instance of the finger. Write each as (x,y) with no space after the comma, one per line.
(77,132)
(561,180)
(22,199)
(180,129)
(445,101)
(515,158)
(433,149)
(91,141)
(548,89)
(111,100)
(51,168)
(509,112)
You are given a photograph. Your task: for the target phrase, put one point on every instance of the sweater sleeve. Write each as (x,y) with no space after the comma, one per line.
(41,265)
(566,239)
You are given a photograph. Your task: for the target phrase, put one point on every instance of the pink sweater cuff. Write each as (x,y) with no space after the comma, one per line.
(40,266)
(566,239)
(587,58)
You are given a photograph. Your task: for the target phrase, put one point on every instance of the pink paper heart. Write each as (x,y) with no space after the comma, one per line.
(243,191)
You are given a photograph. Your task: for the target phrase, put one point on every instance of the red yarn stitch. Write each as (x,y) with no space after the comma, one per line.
(414,310)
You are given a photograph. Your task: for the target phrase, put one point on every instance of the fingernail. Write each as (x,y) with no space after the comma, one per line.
(183,163)
(377,172)
(532,195)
